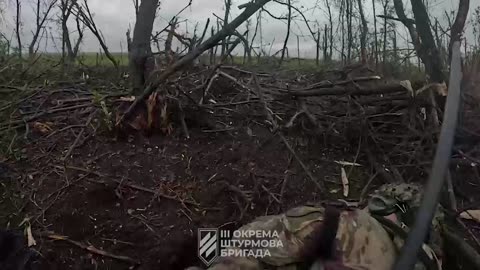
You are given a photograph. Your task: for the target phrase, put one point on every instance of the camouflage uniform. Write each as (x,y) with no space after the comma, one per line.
(361,241)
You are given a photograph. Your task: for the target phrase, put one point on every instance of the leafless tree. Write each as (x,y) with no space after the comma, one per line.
(289,23)
(330,20)
(385,4)
(341,19)
(85,15)
(40,19)
(301,13)
(364,32)
(431,56)
(136,5)
(205,32)
(317,47)
(375,32)
(459,24)
(69,52)
(140,48)
(257,25)
(249,10)
(326,56)
(169,40)
(18,26)
(349,16)
(228,5)
(247,25)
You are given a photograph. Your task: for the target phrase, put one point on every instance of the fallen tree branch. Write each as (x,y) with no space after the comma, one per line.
(137,187)
(383,89)
(77,139)
(92,249)
(227,30)
(402,20)
(321,187)
(268,112)
(36,116)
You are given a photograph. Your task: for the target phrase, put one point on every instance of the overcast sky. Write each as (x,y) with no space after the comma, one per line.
(114,17)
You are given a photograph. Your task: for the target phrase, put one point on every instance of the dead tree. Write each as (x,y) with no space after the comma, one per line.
(169,40)
(254,35)
(385,31)
(247,25)
(228,5)
(70,52)
(341,19)
(459,24)
(18,26)
(375,33)
(83,12)
(289,23)
(249,9)
(140,48)
(317,47)
(212,51)
(307,23)
(330,20)
(349,16)
(364,32)
(40,19)
(136,5)
(326,56)
(298,49)
(431,54)
(205,32)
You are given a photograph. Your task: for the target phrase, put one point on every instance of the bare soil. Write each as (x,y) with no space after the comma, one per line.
(145,196)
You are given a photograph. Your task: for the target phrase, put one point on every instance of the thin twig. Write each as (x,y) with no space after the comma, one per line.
(320,185)
(92,249)
(137,187)
(80,134)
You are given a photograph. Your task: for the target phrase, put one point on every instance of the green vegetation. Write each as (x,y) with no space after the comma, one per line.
(99,59)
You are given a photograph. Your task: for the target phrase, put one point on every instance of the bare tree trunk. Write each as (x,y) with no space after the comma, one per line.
(431,59)
(140,48)
(40,23)
(169,41)
(385,27)
(298,49)
(254,36)
(70,52)
(375,33)
(249,23)
(80,31)
(289,21)
(18,27)
(342,23)
(330,20)
(459,24)
(85,15)
(395,48)
(204,32)
(66,9)
(136,6)
(325,43)
(364,32)
(349,30)
(212,51)
(250,9)
(228,5)
(317,56)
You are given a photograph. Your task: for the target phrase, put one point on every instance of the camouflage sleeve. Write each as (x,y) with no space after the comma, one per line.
(361,242)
